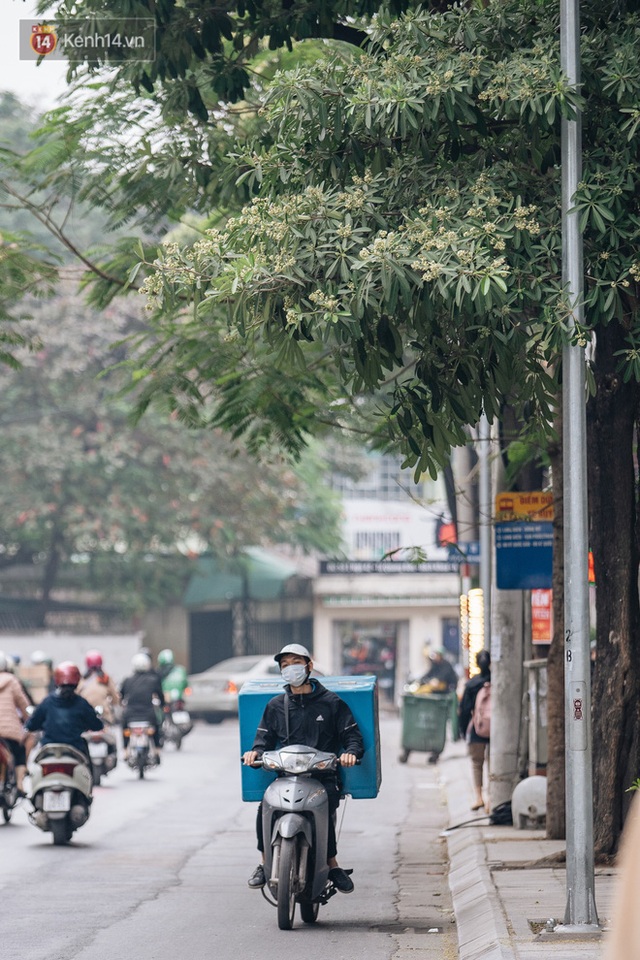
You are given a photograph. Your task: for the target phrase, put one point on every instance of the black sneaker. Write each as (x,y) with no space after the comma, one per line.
(341,880)
(257,878)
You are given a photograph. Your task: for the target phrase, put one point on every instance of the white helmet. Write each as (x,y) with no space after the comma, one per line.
(296,648)
(39,656)
(140,663)
(4,662)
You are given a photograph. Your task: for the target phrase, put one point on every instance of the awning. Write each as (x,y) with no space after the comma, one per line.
(254,575)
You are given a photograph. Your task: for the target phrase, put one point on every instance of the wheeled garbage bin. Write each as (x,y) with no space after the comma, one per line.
(424,723)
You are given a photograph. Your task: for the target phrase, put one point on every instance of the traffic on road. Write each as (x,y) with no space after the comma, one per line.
(160,869)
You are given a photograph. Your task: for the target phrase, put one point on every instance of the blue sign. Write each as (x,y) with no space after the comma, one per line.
(465,551)
(524,555)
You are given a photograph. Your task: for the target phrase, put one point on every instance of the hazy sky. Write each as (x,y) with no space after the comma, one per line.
(34,83)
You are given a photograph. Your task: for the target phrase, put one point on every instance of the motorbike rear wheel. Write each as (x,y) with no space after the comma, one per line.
(61,832)
(287,879)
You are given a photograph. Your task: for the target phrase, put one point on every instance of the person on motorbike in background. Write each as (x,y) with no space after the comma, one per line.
(64,716)
(309,714)
(138,692)
(172,674)
(98,688)
(13,712)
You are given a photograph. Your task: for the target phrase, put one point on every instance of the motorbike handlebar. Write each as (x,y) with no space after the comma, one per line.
(258,762)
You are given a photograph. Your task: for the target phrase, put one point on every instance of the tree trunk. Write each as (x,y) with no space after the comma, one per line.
(611,423)
(50,574)
(556,820)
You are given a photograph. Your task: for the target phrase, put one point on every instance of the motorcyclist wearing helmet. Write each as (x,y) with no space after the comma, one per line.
(173,676)
(13,710)
(98,688)
(308,713)
(64,716)
(138,693)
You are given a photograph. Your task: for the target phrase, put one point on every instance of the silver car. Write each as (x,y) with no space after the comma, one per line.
(213,694)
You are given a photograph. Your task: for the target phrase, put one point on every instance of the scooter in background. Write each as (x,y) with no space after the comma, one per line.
(176,723)
(61,785)
(103,750)
(142,753)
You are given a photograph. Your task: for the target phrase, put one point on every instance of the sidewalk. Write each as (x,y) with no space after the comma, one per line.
(503,888)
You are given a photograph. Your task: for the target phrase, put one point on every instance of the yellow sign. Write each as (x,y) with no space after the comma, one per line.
(534,506)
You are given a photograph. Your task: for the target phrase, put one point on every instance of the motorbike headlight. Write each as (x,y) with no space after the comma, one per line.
(296,762)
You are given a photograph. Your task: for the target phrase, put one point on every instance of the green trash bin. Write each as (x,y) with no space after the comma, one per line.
(424,723)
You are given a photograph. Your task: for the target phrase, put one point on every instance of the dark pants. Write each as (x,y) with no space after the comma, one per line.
(18,751)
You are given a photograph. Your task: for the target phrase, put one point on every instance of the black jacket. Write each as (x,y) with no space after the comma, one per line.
(467,704)
(319,719)
(137,694)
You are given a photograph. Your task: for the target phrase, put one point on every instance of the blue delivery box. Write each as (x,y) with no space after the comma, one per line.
(360,693)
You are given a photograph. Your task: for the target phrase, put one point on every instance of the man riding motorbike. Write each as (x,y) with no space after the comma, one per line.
(138,693)
(307,713)
(172,674)
(64,716)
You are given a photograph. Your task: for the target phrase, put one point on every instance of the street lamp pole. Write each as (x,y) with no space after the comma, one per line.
(581,908)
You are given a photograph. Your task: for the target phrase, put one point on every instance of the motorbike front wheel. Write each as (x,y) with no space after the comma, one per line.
(61,832)
(287,878)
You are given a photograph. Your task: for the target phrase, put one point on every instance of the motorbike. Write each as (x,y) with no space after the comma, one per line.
(8,786)
(61,786)
(176,722)
(142,753)
(103,750)
(295,815)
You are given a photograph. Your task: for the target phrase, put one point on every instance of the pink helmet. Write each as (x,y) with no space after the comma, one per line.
(93,659)
(66,673)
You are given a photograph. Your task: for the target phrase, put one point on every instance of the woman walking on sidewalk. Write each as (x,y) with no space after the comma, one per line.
(478,745)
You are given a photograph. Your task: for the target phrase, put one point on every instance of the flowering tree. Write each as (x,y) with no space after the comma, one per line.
(116,509)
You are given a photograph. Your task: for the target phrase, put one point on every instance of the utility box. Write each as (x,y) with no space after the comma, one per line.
(36,678)
(359,693)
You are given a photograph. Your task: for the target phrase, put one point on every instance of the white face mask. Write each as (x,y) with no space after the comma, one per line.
(295,674)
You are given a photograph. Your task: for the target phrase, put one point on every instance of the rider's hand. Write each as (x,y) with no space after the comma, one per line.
(250,757)
(348,759)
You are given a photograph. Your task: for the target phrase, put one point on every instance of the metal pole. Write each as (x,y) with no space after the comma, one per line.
(486,514)
(581,907)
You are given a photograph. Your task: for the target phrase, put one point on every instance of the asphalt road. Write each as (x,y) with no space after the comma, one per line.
(159,872)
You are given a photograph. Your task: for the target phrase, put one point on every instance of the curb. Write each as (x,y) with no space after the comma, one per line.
(482,928)
(483,931)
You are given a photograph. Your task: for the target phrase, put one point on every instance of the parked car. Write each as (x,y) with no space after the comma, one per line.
(213,694)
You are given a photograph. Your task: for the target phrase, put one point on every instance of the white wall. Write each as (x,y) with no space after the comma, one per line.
(116,649)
